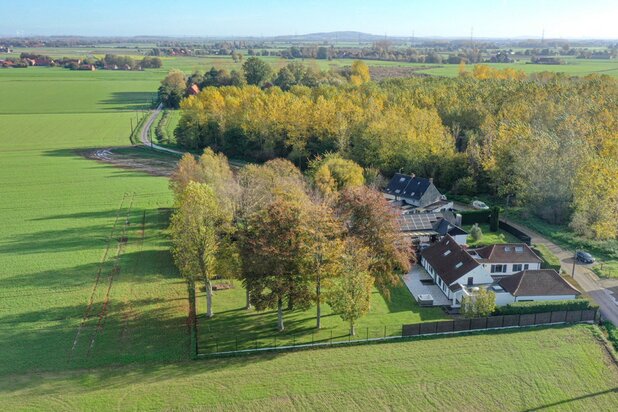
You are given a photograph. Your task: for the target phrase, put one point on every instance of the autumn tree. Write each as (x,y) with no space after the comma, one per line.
(331,173)
(199,231)
(274,256)
(173,88)
(350,293)
(370,220)
(187,170)
(360,73)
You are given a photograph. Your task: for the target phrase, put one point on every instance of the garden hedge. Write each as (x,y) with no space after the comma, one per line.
(522,308)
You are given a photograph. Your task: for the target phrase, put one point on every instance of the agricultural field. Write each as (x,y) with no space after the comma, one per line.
(560,368)
(86,277)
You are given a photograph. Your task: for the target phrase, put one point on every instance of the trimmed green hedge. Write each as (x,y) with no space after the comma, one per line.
(523,308)
(550,261)
(470,217)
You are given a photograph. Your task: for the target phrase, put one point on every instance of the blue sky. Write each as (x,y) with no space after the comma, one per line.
(449,18)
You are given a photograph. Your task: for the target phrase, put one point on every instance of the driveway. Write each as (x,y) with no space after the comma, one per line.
(146,132)
(603,291)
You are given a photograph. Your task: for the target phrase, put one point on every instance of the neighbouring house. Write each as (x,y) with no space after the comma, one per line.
(418,192)
(458,272)
(193,90)
(531,285)
(430,227)
(506,259)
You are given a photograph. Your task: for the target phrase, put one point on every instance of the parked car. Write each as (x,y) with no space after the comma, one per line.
(477,204)
(584,257)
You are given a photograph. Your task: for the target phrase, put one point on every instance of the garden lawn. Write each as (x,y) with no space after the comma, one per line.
(489,237)
(559,368)
(233,327)
(58,210)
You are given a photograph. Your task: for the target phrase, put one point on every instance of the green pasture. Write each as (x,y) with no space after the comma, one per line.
(58,211)
(560,368)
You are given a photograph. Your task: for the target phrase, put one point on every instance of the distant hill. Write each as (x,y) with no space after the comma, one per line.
(351,36)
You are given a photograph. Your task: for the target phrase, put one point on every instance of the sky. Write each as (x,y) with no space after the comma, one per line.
(444,18)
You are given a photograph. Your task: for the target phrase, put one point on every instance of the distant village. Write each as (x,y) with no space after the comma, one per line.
(109,62)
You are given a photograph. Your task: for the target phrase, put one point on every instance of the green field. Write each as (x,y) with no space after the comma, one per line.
(93,313)
(561,368)
(58,211)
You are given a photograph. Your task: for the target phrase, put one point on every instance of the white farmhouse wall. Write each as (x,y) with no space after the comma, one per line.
(509,267)
(543,298)
(504,298)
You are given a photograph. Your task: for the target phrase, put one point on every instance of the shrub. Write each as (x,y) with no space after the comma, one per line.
(612,333)
(476,232)
(522,308)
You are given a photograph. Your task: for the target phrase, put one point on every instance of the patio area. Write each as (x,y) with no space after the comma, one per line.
(419,282)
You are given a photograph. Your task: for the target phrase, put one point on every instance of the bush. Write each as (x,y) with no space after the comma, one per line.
(612,333)
(476,232)
(522,308)
(494,219)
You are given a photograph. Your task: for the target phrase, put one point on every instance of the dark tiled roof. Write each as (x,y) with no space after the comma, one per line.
(507,253)
(444,227)
(449,260)
(543,282)
(408,186)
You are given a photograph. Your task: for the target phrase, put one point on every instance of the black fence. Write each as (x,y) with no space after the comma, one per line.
(515,232)
(217,346)
(497,322)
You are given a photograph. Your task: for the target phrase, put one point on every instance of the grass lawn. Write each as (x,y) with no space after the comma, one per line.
(58,210)
(559,368)
(489,237)
(233,325)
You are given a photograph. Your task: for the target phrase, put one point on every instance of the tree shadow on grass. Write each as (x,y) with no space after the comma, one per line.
(129,101)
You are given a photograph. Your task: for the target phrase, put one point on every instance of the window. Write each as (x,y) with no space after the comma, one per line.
(448,252)
(519,249)
(517,267)
(498,268)
(526,266)
(457,266)
(470,281)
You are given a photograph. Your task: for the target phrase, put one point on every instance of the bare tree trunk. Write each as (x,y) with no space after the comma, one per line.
(208,299)
(318,291)
(248,305)
(280,315)
(352,329)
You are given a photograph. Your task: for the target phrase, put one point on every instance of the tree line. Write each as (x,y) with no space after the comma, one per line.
(545,141)
(293,240)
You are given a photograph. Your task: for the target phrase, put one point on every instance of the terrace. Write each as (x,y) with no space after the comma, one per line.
(419,282)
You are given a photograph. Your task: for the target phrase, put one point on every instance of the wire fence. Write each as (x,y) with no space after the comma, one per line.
(213,345)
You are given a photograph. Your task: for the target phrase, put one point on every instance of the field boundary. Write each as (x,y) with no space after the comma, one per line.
(437,328)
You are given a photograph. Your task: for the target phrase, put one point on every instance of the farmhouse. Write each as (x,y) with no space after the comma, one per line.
(418,192)
(193,90)
(458,272)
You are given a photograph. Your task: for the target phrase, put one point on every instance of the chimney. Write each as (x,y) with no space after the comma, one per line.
(412,175)
(431,180)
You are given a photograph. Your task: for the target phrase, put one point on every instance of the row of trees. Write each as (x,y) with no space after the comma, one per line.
(546,141)
(292,240)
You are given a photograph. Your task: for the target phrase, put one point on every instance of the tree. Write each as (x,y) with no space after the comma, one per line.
(198,229)
(274,256)
(476,232)
(360,73)
(187,170)
(370,220)
(494,219)
(257,71)
(325,250)
(173,88)
(478,304)
(322,53)
(331,173)
(350,293)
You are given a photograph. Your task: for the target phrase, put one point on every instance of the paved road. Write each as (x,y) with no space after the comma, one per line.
(146,132)
(603,291)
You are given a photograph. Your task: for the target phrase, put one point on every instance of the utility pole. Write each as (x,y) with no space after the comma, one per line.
(574,260)
(543,37)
